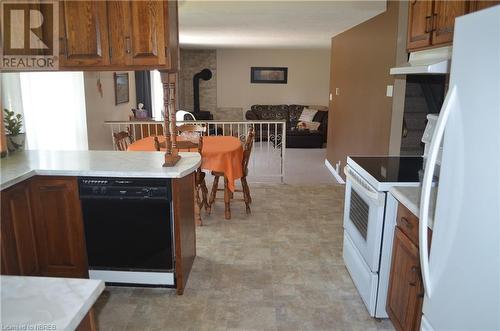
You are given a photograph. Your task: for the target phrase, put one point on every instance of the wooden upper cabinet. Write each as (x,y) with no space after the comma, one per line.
(431,22)
(148,32)
(83,33)
(405,295)
(419,24)
(443,20)
(137,32)
(19,254)
(119,35)
(476,5)
(59,227)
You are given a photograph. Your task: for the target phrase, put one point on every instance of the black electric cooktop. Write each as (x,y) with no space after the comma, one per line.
(391,168)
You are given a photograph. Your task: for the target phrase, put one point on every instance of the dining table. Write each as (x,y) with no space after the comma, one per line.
(219,153)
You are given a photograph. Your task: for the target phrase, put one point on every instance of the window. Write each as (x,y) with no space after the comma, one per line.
(157,95)
(53,106)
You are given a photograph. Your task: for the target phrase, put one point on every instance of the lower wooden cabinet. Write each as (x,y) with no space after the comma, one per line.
(42,229)
(19,253)
(59,227)
(405,296)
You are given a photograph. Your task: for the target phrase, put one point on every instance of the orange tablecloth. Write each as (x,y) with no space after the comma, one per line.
(219,153)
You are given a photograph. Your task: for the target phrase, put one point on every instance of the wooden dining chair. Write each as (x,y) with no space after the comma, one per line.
(228,195)
(123,139)
(199,175)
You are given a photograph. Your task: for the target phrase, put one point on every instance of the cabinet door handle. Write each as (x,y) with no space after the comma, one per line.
(414,271)
(407,223)
(127,45)
(434,22)
(428,24)
(66,46)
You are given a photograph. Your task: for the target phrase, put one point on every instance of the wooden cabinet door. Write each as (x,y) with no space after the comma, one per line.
(84,33)
(419,24)
(404,299)
(59,227)
(19,254)
(443,20)
(137,32)
(120,35)
(476,5)
(148,33)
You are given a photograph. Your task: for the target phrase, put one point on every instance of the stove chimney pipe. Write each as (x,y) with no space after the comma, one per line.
(205,74)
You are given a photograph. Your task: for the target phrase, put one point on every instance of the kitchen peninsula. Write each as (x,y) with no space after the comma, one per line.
(42,220)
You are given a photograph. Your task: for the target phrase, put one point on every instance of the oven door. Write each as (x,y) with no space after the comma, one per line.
(364,217)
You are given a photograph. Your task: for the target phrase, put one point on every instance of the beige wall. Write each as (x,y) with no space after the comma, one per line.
(308,77)
(100,109)
(360,116)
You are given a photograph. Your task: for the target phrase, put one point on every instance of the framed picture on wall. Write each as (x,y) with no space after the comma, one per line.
(268,75)
(121,88)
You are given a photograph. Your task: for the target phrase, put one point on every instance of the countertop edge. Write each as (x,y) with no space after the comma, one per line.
(411,201)
(100,173)
(85,308)
(406,201)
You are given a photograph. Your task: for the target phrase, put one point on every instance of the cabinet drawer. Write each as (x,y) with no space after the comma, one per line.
(408,223)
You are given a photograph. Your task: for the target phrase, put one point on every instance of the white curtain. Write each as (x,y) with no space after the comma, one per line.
(11,94)
(157,95)
(54,110)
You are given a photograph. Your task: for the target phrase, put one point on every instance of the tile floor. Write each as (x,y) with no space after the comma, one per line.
(278,269)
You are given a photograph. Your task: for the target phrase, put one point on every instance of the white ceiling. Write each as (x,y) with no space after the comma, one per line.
(269,24)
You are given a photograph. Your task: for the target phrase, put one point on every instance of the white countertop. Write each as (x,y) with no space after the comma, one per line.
(410,198)
(25,164)
(56,303)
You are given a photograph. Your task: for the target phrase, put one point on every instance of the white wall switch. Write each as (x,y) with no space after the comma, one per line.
(390,89)
(331,97)
(337,91)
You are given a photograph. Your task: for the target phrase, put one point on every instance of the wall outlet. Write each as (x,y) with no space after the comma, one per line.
(337,91)
(390,89)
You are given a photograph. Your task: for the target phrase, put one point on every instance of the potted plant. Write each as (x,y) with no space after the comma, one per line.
(13,125)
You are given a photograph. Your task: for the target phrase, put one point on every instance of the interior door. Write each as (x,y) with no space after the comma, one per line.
(419,24)
(443,20)
(83,33)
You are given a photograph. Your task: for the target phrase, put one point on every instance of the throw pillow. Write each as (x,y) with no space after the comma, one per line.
(313,126)
(307,115)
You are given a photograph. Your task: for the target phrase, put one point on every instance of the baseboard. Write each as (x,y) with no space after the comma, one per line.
(335,174)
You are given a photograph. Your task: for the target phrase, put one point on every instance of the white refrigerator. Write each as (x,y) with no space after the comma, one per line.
(462,272)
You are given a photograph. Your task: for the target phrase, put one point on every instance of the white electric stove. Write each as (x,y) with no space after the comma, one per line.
(369,221)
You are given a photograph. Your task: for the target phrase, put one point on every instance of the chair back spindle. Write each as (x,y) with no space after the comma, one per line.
(247,150)
(123,139)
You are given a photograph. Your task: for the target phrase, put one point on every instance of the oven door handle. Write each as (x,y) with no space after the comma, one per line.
(363,186)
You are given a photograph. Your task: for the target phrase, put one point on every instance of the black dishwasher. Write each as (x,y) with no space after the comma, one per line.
(128,227)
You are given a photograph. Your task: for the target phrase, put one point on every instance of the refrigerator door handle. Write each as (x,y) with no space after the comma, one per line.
(448,104)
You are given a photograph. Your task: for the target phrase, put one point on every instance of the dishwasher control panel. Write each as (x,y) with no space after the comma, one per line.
(125,188)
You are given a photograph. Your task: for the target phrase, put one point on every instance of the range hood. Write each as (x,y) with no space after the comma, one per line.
(429,61)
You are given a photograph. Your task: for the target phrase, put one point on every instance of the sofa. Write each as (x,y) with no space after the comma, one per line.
(290,113)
